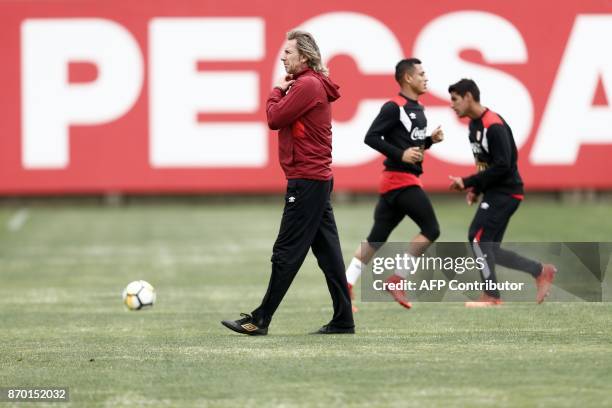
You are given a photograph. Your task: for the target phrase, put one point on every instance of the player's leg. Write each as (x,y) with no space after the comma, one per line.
(510,259)
(326,248)
(415,203)
(544,274)
(488,225)
(385,220)
(362,256)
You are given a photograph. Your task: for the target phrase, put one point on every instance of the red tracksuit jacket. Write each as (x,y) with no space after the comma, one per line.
(303,117)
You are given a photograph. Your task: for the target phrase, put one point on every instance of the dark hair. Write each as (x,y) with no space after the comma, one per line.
(404,66)
(464,86)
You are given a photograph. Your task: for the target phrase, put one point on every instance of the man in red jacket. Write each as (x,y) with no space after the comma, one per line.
(299,106)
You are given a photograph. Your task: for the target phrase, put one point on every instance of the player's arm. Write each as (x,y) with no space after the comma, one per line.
(501,159)
(387,118)
(284,108)
(457,184)
(436,137)
(471,197)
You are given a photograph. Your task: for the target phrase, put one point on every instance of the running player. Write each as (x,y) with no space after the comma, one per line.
(501,186)
(400,133)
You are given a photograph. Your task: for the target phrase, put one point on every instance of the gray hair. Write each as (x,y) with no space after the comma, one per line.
(307,47)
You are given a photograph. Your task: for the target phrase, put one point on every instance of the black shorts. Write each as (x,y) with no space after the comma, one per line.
(492,217)
(487,232)
(394,205)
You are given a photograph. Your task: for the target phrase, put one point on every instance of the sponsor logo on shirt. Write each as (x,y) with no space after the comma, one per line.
(418,134)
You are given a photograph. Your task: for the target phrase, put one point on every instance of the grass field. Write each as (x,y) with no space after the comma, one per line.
(62,322)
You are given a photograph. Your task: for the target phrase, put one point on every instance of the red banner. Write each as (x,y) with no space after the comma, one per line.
(169,96)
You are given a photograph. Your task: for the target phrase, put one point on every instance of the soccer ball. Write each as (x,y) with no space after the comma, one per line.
(138,294)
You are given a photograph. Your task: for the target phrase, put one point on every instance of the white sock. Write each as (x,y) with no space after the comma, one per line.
(353,272)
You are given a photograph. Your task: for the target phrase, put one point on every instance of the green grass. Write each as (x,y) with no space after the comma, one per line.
(62,322)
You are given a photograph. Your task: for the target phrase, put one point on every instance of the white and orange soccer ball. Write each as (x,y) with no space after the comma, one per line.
(138,295)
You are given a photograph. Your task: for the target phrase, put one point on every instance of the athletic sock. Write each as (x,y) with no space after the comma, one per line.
(353,272)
